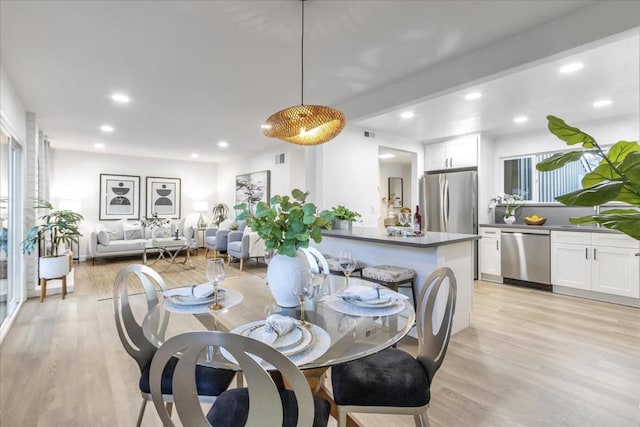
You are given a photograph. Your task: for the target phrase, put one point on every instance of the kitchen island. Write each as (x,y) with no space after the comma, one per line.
(424,254)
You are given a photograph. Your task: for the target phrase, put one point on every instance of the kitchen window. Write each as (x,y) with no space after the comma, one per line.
(521,177)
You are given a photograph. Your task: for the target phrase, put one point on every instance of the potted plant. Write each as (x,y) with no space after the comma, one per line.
(343,217)
(511,203)
(286,225)
(615,179)
(58,227)
(220,213)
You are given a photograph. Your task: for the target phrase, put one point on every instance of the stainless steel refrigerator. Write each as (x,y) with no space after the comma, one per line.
(449,203)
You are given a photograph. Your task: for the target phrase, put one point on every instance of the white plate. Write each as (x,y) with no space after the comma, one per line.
(297,340)
(381,303)
(189,300)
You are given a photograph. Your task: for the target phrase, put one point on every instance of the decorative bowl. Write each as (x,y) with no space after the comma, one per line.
(539,221)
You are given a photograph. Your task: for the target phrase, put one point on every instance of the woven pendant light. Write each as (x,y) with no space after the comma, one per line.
(304,124)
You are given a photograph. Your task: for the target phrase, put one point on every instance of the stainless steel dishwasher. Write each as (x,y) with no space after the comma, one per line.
(526,255)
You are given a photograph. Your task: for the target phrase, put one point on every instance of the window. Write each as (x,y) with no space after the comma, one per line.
(521,177)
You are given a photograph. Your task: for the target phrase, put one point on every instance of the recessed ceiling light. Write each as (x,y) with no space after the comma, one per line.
(521,119)
(107,128)
(120,98)
(602,103)
(265,126)
(473,95)
(407,115)
(195,155)
(386,156)
(99,145)
(570,68)
(223,144)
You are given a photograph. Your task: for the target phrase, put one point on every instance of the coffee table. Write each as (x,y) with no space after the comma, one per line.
(168,249)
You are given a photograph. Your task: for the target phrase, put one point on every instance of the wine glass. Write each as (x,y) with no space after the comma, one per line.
(215,274)
(303,289)
(347,265)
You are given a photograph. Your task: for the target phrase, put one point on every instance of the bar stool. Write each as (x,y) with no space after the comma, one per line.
(334,266)
(392,277)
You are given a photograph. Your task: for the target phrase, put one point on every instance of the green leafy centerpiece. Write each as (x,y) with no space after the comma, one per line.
(286,225)
(615,179)
(343,217)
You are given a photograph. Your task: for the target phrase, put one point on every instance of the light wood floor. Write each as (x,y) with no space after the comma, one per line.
(531,358)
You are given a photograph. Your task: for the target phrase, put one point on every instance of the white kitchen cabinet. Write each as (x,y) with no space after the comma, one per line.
(456,153)
(598,262)
(490,259)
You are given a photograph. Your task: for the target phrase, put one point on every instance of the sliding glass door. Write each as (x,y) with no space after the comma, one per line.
(10,231)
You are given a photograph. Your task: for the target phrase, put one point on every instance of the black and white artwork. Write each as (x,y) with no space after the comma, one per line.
(163,197)
(252,188)
(119,197)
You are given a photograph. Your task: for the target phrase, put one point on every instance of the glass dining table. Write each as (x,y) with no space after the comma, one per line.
(348,336)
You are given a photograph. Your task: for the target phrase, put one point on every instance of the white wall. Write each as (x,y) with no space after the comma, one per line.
(284,177)
(348,173)
(605,132)
(76,176)
(12,108)
(395,170)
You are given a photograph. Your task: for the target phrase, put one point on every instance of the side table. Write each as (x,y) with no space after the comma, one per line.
(201,230)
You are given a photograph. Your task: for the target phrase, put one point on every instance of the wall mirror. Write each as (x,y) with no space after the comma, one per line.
(395,192)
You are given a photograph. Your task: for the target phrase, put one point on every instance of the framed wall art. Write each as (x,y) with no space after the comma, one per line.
(163,197)
(119,197)
(252,188)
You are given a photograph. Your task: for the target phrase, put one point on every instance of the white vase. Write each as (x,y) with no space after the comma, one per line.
(509,219)
(282,275)
(54,267)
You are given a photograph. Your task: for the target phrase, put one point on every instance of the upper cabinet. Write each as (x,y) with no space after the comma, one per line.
(455,153)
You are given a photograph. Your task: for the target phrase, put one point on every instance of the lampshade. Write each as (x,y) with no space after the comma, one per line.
(304,124)
(201,206)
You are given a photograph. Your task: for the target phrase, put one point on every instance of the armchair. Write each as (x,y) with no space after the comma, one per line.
(215,240)
(245,244)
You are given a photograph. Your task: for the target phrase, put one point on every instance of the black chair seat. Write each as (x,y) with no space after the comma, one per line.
(209,381)
(231,409)
(391,377)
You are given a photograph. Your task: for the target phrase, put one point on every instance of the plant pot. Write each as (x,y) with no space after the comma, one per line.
(341,224)
(509,219)
(54,267)
(283,274)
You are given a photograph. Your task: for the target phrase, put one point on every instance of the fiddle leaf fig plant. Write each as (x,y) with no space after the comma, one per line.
(615,179)
(287,223)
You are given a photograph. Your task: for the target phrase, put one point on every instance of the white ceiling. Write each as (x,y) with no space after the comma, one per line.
(199,72)
(610,71)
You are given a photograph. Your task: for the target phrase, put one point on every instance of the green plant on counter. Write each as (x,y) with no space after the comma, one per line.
(287,223)
(220,213)
(61,226)
(343,213)
(615,179)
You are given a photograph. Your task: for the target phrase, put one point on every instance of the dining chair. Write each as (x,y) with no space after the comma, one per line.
(262,403)
(317,261)
(211,382)
(392,381)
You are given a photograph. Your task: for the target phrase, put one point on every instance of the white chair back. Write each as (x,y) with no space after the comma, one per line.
(265,406)
(317,261)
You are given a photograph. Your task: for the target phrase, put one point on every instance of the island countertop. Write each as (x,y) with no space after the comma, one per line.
(428,240)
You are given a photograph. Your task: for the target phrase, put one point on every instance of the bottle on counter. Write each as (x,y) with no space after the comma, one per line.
(417,221)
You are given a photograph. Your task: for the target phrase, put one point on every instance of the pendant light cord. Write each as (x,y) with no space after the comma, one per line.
(302,58)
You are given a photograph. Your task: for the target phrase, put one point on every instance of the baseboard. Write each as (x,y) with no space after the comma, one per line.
(598,296)
(6,325)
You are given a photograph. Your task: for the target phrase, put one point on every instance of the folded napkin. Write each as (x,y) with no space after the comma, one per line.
(367,293)
(200,291)
(282,325)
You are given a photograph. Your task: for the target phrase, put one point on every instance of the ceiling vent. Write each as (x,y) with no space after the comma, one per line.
(279,159)
(369,134)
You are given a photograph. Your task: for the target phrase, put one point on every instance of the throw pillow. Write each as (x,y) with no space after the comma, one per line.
(115,230)
(132,231)
(188,232)
(103,237)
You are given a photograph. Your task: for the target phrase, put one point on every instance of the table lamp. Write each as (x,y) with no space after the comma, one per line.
(201,207)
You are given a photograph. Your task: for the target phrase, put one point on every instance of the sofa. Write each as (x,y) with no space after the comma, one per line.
(126,238)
